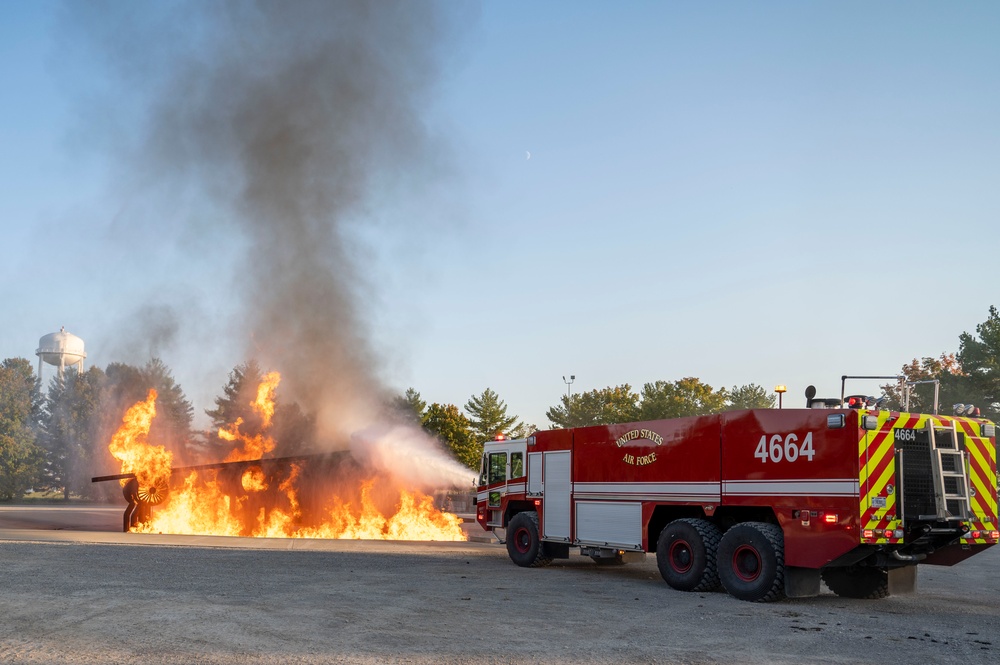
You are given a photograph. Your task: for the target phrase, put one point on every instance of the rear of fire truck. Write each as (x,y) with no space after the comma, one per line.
(928,490)
(852,497)
(764,503)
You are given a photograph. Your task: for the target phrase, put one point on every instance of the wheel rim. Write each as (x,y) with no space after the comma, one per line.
(152,494)
(522,540)
(680,556)
(746,563)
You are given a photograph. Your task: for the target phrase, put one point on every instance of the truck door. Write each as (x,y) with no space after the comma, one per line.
(556,487)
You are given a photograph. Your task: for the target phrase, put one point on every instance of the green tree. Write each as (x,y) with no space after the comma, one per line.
(953,385)
(292,429)
(750,396)
(20,393)
(237,396)
(685,397)
(75,451)
(21,459)
(410,406)
(125,385)
(21,462)
(172,426)
(450,425)
(979,356)
(597,407)
(488,417)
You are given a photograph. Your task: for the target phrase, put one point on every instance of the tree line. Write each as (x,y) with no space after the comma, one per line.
(58,439)
(969,376)
(486,415)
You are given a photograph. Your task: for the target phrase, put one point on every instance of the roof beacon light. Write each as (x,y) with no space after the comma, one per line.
(500,436)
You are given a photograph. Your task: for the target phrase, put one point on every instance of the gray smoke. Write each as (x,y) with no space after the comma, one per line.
(292,119)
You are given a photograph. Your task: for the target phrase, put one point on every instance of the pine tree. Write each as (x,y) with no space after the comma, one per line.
(21,459)
(72,436)
(410,406)
(450,425)
(488,417)
(750,396)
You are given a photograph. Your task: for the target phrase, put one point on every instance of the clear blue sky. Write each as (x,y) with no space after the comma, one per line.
(769,192)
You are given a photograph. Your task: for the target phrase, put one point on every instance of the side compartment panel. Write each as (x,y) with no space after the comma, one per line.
(609,523)
(556,507)
(534,474)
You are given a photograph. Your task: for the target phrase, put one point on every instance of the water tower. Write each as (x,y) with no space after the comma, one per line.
(61,349)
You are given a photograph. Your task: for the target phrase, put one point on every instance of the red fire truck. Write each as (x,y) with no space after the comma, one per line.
(765,503)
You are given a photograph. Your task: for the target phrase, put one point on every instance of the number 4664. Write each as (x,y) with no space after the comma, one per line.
(784,448)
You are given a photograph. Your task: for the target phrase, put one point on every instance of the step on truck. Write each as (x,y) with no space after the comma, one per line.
(764,503)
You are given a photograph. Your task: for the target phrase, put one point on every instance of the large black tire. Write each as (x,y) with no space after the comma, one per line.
(863,582)
(752,562)
(686,554)
(524,544)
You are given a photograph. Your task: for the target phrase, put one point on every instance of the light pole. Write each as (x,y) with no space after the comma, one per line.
(781,390)
(572,378)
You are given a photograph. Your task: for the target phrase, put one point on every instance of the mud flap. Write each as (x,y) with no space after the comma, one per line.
(902,580)
(801,582)
(556,550)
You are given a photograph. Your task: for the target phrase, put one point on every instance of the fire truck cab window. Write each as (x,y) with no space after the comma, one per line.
(483,471)
(516,465)
(498,467)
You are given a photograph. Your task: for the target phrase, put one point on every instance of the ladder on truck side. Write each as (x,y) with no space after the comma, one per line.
(951,479)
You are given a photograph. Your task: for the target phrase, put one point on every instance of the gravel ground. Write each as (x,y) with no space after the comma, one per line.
(131,598)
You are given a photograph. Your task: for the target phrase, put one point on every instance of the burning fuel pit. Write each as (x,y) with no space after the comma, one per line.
(249,487)
(328,495)
(309,496)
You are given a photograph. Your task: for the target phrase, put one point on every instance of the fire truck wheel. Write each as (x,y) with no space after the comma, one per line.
(857,582)
(686,554)
(523,542)
(752,562)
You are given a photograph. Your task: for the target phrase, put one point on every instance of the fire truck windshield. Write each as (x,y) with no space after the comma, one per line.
(497,467)
(494,468)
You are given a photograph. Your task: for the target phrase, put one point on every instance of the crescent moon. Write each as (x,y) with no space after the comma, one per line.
(528,155)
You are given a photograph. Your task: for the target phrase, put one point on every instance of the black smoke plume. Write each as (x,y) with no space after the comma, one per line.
(285,123)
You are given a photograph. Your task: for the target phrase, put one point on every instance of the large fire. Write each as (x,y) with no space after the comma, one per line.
(319,497)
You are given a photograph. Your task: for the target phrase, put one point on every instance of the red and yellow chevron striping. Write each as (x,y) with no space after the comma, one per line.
(878,483)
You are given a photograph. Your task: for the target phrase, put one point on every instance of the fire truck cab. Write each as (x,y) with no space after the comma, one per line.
(765,503)
(502,472)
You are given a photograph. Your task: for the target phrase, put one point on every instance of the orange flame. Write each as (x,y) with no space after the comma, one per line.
(150,464)
(260,503)
(255,446)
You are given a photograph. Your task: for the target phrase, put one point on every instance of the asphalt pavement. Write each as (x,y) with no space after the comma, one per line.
(90,596)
